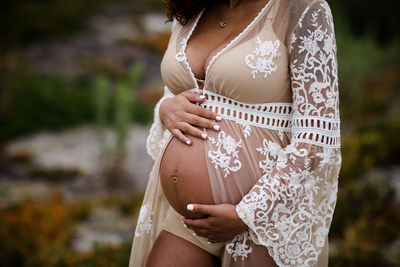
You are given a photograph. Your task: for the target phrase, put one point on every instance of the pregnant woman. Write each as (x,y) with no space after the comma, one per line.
(246,139)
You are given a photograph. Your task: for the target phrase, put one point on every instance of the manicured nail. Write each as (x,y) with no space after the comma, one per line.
(218,118)
(185,225)
(216,127)
(208,242)
(190,207)
(204,136)
(188,142)
(202,96)
(194,234)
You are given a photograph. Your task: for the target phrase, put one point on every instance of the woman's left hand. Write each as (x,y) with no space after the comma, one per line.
(222,223)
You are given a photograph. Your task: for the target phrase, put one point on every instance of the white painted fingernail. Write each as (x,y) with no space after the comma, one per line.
(208,242)
(185,225)
(204,136)
(190,207)
(216,127)
(188,142)
(194,234)
(218,118)
(202,96)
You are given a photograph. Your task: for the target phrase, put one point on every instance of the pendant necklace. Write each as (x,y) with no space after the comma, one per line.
(222,23)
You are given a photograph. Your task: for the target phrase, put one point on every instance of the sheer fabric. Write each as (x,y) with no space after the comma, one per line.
(277,155)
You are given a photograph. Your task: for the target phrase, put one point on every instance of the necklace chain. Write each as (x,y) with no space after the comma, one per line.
(222,22)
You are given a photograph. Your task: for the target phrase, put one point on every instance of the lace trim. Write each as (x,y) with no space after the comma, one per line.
(238,36)
(316,130)
(274,116)
(157,130)
(145,220)
(181,56)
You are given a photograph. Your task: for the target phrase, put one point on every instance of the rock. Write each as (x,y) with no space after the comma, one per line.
(79,149)
(103,227)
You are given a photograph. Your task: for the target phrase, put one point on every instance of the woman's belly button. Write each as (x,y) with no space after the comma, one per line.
(184,175)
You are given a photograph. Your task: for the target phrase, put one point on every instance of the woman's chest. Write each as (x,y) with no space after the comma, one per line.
(209,37)
(252,67)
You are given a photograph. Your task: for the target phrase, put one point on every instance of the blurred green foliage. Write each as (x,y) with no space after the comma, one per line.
(378,20)
(123,90)
(28,21)
(36,233)
(100,256)
(31,101)
(40,232)
(122,103)
(366,220)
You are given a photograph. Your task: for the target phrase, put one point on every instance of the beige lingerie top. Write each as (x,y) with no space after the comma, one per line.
(277,155)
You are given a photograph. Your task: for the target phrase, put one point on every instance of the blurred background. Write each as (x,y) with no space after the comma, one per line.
(78,82)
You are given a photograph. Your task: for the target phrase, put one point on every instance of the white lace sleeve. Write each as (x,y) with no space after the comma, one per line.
(158,133)
(290,210)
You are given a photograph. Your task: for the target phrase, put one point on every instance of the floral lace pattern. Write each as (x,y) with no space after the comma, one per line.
(290,208)
(270,150)
(239,247)
(281,211)
(314,79)
(246,129)
(157,135)
(226,153)
(261,60)
(145,220)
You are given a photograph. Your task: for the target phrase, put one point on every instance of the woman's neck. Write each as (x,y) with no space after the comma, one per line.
(234,3)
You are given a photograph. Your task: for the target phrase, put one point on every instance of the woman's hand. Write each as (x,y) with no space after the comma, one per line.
(180,114)
(222,223)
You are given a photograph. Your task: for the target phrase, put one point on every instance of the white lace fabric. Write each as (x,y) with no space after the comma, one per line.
(277,156)
(156,140)
(290,209)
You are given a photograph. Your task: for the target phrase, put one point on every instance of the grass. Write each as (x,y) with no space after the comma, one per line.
(31,102)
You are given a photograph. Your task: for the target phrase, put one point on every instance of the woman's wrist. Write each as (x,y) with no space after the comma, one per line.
(239,222)
(161,107)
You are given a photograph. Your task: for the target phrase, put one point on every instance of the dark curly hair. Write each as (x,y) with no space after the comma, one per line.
(184,10)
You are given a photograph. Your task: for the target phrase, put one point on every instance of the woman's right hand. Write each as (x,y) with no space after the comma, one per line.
(180,114)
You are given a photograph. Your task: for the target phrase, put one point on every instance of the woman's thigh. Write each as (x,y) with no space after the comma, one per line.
(172,251)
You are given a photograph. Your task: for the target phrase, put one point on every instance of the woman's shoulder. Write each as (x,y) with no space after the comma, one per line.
(299,7)
(302,3)
(295,11)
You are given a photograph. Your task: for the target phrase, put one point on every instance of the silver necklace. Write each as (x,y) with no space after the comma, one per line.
(222,22)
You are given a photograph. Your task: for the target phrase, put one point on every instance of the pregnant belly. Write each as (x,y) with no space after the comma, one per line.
(184,175)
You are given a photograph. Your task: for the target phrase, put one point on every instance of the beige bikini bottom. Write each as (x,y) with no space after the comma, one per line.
(174,225)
